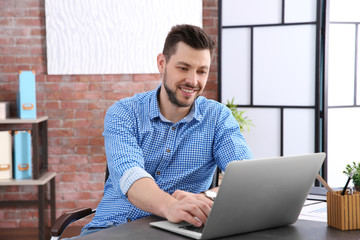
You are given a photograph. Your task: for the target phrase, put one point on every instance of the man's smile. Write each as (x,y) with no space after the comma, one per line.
(188,91)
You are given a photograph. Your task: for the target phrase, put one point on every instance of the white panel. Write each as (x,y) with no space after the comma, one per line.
(358,71)
(250,12)
(235,70)
(299,131)
(284,65)
(343,143)
(112,36)
(344,11)
(341,64)
(300,11)
(264,137)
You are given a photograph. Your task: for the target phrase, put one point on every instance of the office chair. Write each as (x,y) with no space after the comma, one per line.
(76,214)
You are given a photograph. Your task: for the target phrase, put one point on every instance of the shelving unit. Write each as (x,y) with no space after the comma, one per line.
(42,202)
(40,175)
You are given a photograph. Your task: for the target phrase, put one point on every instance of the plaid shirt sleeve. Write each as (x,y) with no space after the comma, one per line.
(229,143)
(125,157)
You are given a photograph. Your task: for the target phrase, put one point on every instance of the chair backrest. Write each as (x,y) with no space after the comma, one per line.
(107,173)
(215,181)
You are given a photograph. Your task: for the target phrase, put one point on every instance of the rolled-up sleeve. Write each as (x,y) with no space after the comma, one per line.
(124,156)
(131,176)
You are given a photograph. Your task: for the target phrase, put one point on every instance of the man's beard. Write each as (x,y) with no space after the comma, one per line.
(172,95)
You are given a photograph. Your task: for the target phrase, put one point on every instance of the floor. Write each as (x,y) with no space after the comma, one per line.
(32,233)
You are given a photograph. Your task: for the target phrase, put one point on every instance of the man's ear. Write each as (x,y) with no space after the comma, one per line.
(161,63)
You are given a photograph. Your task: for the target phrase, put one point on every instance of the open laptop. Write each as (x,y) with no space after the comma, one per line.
(255,195)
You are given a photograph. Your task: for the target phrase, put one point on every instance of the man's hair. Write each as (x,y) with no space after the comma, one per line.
(191,35)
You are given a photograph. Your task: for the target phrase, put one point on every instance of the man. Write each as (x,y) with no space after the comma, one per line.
(163,146)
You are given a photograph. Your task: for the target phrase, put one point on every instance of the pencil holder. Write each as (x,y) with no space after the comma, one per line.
(343,211)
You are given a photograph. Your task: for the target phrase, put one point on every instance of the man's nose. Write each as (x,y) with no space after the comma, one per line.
(192,78)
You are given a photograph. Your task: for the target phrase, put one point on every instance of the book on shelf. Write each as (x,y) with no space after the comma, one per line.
(22,155)
(4,110)
(26,95)
(5,155)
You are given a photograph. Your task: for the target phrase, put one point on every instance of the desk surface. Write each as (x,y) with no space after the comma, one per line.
(302,229)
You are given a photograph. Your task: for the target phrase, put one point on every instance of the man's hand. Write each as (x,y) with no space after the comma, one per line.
(189,207)
(180,206)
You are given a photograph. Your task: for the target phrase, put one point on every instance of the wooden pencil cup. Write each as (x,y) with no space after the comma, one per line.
(343,211)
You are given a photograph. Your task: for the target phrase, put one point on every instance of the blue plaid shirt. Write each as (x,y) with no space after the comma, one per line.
(140,142)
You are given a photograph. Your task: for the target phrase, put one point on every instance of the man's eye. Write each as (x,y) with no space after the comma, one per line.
(182,68)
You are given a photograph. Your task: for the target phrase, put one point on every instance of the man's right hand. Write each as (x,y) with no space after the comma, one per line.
(189,207)
(180,206)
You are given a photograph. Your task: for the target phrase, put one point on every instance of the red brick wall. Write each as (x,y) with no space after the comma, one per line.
(75,105)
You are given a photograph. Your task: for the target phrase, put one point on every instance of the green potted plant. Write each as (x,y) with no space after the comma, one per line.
(356,177)
(244,122)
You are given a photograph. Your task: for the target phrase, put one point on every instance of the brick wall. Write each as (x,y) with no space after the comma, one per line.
(75,105)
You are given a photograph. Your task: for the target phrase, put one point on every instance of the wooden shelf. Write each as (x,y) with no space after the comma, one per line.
(42,201)
(22,120)
(28,182)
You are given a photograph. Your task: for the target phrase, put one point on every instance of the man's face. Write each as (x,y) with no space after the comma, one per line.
(185,75)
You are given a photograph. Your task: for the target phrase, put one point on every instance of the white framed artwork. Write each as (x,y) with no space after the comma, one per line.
(112,36)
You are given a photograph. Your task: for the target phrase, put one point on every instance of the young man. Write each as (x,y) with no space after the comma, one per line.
(163,146)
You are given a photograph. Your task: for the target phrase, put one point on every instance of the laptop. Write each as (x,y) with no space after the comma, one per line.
(255,195)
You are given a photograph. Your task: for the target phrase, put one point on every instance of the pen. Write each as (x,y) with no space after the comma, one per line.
(347,182)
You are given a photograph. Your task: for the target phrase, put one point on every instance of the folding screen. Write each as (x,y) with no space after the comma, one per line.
(343,111)
(269,62)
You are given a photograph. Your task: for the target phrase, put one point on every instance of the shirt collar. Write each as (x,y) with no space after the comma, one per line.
(154,105)
(155,109)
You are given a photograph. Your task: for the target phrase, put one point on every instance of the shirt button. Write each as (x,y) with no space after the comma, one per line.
(173,128)
(168,150)
(158,173)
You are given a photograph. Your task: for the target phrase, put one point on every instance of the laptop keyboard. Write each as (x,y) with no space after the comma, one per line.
(193,228)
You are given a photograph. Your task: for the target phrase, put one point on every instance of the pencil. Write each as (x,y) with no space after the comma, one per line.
(324,183)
